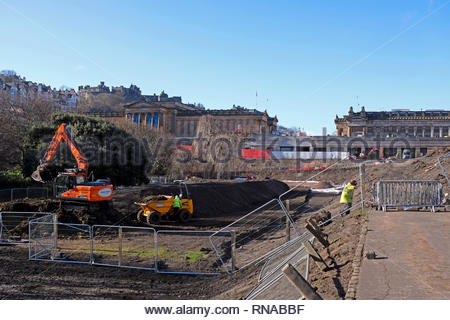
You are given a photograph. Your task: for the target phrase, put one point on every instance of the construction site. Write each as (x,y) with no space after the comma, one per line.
(275,234)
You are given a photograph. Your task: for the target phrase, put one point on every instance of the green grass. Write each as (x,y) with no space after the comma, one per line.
(140,252)
(193,256)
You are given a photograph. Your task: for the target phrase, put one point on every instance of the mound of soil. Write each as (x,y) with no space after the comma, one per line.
(216,199)
(66,212)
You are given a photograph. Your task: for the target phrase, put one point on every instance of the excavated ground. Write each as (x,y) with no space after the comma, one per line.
(20,278)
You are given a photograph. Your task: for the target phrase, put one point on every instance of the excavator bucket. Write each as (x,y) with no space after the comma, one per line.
(40,175)
(36,176)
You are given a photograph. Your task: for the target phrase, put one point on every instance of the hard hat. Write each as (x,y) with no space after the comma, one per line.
(181,195)
(353,182)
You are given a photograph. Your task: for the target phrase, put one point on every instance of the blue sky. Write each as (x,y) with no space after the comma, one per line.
(308,60)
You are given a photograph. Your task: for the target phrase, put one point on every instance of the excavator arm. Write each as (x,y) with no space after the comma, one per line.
(62,134)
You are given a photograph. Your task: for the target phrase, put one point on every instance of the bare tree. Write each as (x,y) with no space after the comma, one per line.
(17,115)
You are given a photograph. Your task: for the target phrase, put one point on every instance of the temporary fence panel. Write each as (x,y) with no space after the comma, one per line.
(279,259)
(409,193)
(277,286)
(71,242)
(22,193)
(191,252)
(122,246)
(444,164)
(159,179)
(14,226)
(42,239)
(257,234)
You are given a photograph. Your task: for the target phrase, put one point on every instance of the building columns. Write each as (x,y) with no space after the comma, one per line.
(440,132)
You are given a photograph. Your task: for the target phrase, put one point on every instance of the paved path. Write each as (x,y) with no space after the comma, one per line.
(414,256)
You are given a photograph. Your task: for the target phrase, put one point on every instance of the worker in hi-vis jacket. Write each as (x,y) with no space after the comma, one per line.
(347,196)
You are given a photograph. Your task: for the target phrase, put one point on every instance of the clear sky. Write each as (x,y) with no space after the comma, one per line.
(307,60)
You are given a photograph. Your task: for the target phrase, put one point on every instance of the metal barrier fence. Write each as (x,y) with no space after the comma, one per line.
(278,260)
(126,247)
(165,251)
(408,193)
(441,166)
(262,228)
(42,240)
(21,193)
(186,252)
(14,226)
(159,179)
(276,286)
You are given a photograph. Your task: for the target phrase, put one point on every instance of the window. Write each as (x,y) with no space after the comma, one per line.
(286,148)
(136,119)
(155,121)
(149,120)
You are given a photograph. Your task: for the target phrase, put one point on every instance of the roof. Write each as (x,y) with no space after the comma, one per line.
(396,114)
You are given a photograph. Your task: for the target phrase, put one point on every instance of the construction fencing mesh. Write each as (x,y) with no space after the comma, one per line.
(164,251)
(14,226)
(186,251)
(42,240)
(263,228)
(408,193)
(126,247)
(274,285)
(22,193)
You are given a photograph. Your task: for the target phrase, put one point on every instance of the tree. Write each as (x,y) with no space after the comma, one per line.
(17,117)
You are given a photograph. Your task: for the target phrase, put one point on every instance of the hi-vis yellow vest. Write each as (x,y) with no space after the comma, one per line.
(347,193)
(177,202)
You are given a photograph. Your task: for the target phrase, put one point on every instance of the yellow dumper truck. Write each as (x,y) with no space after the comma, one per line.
(167,207)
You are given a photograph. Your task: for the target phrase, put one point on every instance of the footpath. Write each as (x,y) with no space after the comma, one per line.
(412,257)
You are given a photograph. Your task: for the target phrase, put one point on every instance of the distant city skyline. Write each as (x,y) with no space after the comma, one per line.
(304,62)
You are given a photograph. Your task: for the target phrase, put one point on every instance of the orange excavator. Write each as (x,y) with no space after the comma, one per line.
(73,184)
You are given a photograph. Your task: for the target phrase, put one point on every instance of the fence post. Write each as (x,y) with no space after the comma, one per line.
(233,251)
(12,192)
(120,246)
(28,194)
(318,234)
(288,222)
(361,179)
(91,243)
(296,279)
(55,236)
(315,255)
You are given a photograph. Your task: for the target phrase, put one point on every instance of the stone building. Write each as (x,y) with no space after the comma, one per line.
(172,116)
(21,91)
(394,123)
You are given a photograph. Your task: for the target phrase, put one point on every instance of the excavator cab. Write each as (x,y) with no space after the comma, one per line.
(64,182)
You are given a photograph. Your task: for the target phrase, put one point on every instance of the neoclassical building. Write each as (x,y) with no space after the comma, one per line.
(182,119)
(394,123)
